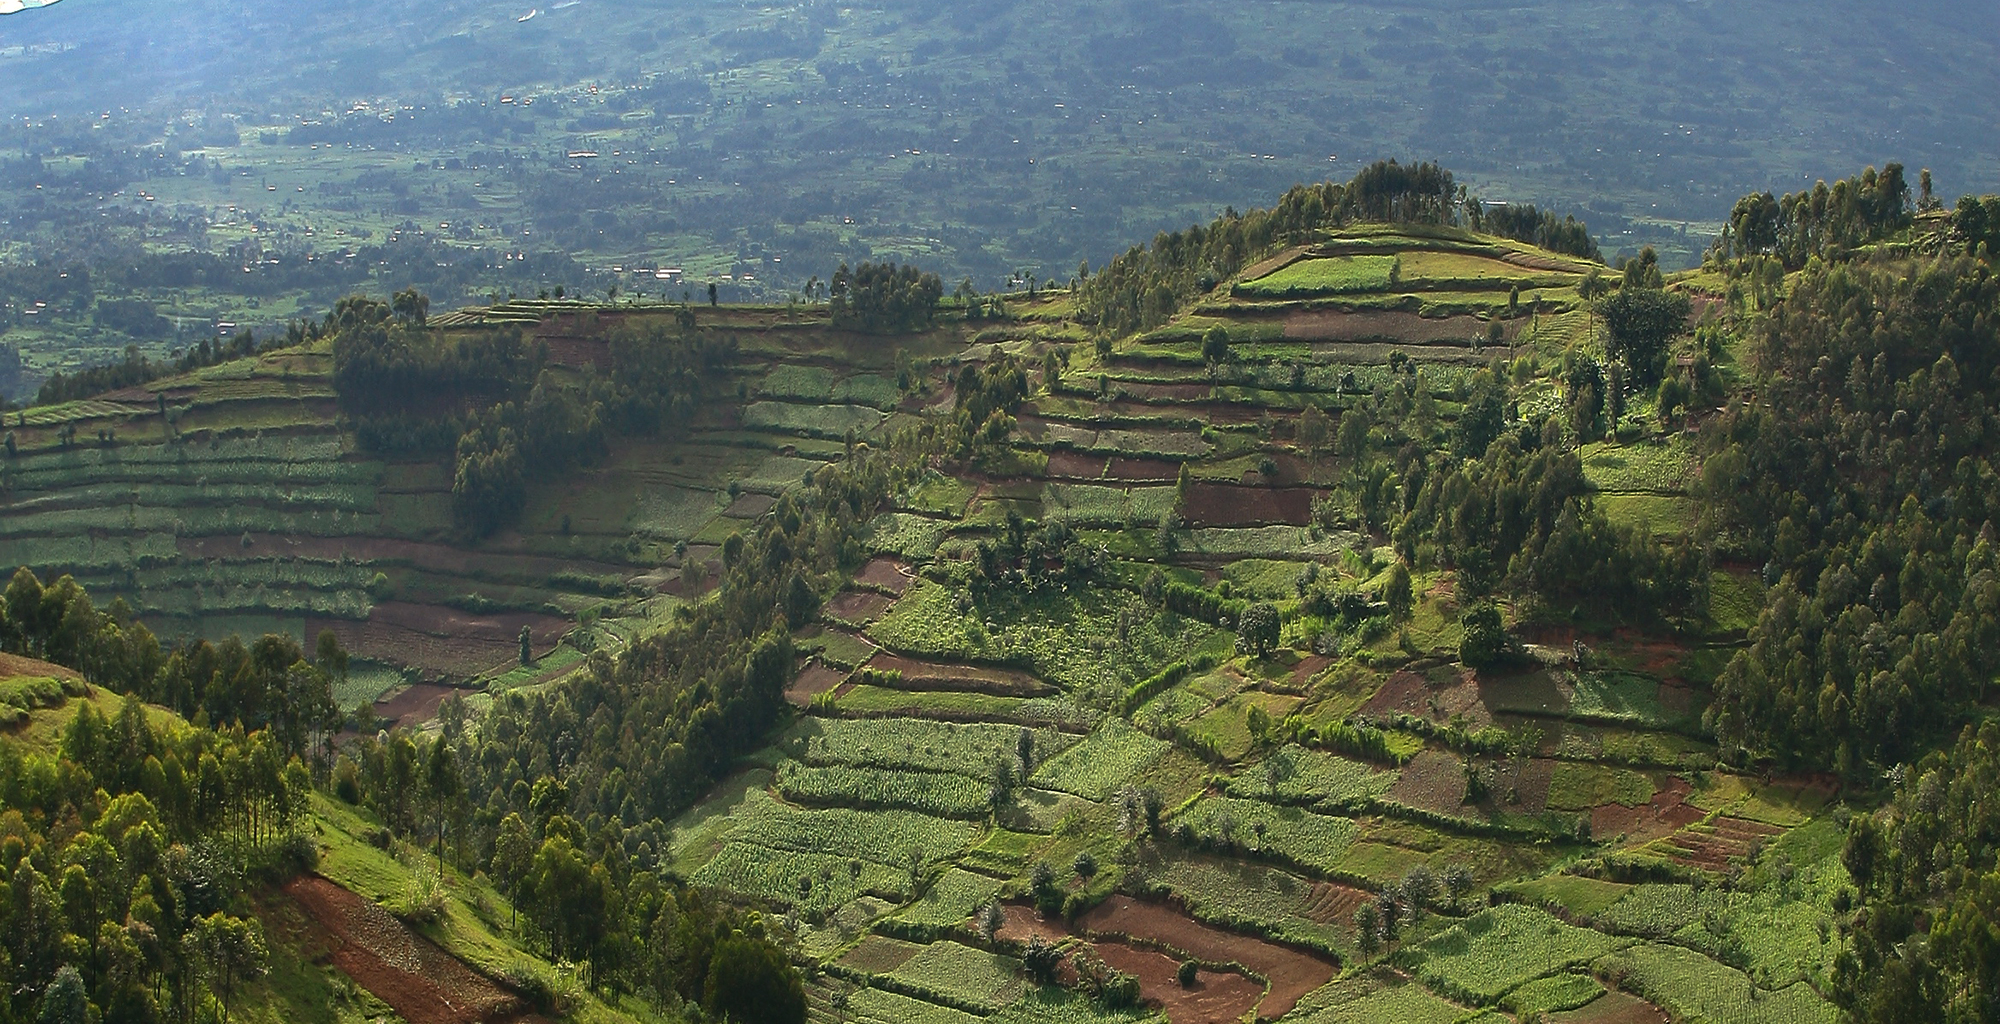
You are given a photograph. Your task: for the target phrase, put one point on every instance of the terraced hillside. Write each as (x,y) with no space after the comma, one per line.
(1134,669)
(1086,738)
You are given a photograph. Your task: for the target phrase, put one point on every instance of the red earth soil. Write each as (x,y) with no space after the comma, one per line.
(420,981)
(1612,1008)
(1308,667)
(1074,465)
(1433,781)
(1711,848)
(1332,903)
(413,705)
(1210,504)
(1216,997)
(1667,812)
(1292,974)
(932,675)
(858,606)
(885,573)
(1380,325)
(815,680)
(13,666)
(441,642)
(1403,692)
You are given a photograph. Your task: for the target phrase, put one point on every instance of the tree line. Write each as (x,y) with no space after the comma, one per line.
(883,297)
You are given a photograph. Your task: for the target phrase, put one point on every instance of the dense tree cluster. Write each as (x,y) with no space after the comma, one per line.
(490,400)
(125,854)
(1852,212)
(1864,481)
(1525,223)
(1924,948)
(1976,222)
(1524,520)
(883,297)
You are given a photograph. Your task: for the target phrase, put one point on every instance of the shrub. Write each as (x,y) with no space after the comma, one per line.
(1187,973)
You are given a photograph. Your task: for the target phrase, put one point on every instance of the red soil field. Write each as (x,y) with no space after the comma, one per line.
(1712,847)
(815,680)
(858,606)
(1292,974)
(1612,1008)
(1381,325)
(1433,781)
(440,642)
(1209,504)
(1667,812)
(1332,903)
(884,573)
(1216,997)
(413,705)
(1073,465)
(420,981)
(1403,692)
(14,666)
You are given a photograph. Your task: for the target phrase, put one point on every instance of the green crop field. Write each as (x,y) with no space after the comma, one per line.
(1103,762)
(1693,987)
(951,900)
(962,975)
(1312,776)
(940,793)
(1330,276)
(913,744)
(1317,842)
(1497,950)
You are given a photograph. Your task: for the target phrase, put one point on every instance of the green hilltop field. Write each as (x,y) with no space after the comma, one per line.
(1315,617)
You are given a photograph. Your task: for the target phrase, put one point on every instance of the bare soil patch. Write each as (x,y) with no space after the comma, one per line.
(1433,781)
(1383,325)
(442,643)
(1613,1007)
(413,705)
(749,505)
(1332,903)
(1711,847)
(1667,813)
(422,982)
(441,558)
(1209,504)
(14,666)
(934,675)
(1216,997)
(1292,974)
(858,607)
(885,573)
(1404,692)
(815,680)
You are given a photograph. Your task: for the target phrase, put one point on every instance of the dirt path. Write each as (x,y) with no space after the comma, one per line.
(422,982)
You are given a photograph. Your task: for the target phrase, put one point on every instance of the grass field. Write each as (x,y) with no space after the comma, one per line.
(1330,276)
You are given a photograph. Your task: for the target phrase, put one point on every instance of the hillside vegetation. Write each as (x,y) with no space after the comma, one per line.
(1336,612)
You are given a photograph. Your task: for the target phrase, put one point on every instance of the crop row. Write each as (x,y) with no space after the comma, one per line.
(1291,834)
(923,745)
(940,793)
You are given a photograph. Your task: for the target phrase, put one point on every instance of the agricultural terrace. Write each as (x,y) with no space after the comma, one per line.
(1141,664)
(1044,709)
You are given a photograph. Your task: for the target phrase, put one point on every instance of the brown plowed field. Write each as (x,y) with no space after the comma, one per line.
(438,641)
(1216,997)
(1381,325)
(815,680)
(1332,903)
(1074,465)
(1711,847)
(14,666)
(1433,781)
(1668,812)
(859,607)
(1292,974)
(423,983)
(1404,692)
(413,705)
(933,675)
(1210,504)
(885,573)
(1612,1008)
